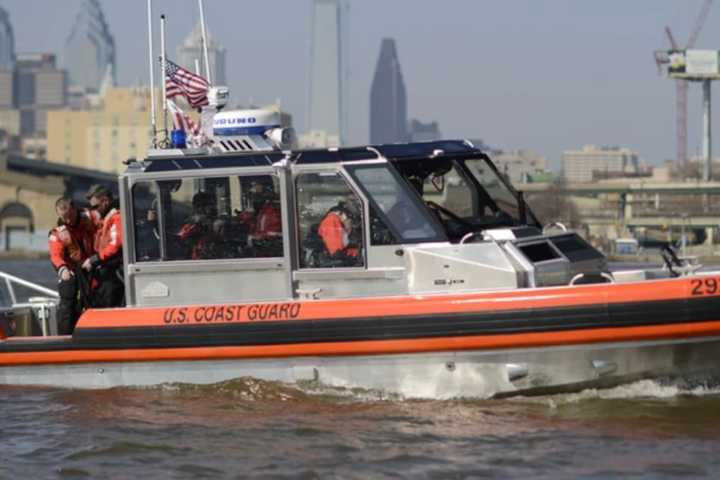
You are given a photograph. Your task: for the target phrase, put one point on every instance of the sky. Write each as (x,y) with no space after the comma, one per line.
(549,75)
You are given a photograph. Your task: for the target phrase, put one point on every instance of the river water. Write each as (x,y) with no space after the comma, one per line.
(251,429)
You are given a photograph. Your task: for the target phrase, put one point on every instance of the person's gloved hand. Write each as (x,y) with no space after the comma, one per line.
(90,262)
(65,273)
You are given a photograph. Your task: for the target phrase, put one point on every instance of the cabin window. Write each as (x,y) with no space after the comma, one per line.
(447,190)
(330,222)
(208,218)
(397,206)
(145,214)
(506,204)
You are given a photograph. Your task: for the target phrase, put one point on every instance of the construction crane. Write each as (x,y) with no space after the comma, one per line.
(681,85)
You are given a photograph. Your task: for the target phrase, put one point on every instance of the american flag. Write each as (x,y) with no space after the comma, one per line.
(179,81)
(182,121)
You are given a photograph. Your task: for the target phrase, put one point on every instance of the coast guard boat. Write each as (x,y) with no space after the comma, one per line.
(454,289)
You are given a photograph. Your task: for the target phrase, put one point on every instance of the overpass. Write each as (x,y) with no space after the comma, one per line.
(28,191)
(632,205)
(670,188)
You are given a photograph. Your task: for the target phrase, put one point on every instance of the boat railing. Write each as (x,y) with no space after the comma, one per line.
(42,306)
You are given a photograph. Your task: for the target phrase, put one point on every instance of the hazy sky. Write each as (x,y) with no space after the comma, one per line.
(545,75)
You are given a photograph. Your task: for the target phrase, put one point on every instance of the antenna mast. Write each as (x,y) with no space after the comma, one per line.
(153,117)
(164,64)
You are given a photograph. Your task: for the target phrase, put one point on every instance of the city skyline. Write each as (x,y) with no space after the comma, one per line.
(548,77)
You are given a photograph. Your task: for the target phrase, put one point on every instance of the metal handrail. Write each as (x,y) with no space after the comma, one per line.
(12,279)
(559,225)
(607,276)
(42,306)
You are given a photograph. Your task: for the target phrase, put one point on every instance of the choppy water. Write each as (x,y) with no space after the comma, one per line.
(247,428)
(251,429)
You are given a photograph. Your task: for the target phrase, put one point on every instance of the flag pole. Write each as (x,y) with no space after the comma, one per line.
(153,116)
(204,41)
(163,63)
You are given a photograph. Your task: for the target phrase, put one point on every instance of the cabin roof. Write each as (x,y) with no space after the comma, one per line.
(393,152)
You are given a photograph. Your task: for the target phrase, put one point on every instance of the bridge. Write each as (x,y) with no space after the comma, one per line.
(28,191)
(634,205)
(622,188)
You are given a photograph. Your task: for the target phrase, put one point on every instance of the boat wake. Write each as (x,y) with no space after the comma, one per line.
(251,389)
(639,390)
(248,389)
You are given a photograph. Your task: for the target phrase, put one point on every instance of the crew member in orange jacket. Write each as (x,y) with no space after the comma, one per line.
(335,230)
(267,222)
(70,244)
(107,263)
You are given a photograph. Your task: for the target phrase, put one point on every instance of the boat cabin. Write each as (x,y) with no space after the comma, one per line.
(420,218)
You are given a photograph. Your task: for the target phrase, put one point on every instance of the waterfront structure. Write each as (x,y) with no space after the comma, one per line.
(191,50)
(423,132)
(39,87)
(592,163)
(28,191)
(89,54)
(522,166)
(388,99)
(327,105)
(7,41)
(102,136)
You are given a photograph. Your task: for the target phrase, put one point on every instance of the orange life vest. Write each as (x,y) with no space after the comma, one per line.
(70,245)
(108,239)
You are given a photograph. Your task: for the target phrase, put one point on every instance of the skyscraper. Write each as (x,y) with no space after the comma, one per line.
(191,50)
(89,54)
(388,100)
(7,41)
(326,100)
(40,87)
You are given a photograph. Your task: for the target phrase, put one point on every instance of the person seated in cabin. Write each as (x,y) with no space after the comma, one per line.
(202,232)
(338,229)
(147,236)
(265,235)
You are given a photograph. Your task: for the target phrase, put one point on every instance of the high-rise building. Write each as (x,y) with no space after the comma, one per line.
(592,163)
(89,55)
(521,166)
(423,132)
(7,96)
(327,107)
(9,116)
(191,50)
(388,100)
(7,41)
(103,136)
(39,87)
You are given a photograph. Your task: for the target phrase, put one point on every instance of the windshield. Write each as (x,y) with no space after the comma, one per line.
(505,200)
(465,194)
(396,205)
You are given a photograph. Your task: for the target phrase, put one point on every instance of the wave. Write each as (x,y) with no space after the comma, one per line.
(249,389)
(639,390)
